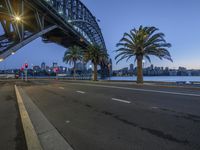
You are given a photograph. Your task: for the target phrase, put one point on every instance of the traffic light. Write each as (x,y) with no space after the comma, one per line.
(26,65)
(22,69)
(56,69)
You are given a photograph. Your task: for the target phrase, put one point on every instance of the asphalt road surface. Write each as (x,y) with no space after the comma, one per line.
(114,116)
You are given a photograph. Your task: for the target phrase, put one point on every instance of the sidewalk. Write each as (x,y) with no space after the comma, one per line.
(12,136)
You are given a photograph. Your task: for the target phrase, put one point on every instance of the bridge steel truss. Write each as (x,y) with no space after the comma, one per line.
(65,22)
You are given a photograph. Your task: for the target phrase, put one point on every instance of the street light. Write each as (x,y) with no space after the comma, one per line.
(81,40)
(1,59)
(69,21)
(17,18)
(143,62)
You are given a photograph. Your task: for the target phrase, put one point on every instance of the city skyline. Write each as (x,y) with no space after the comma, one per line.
(88,65)
(176,24)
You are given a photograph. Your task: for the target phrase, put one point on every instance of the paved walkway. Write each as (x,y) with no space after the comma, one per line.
(11,137)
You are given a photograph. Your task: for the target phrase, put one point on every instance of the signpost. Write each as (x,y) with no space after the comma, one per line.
(109,65)
(22,74)
(56,69)
(26,71)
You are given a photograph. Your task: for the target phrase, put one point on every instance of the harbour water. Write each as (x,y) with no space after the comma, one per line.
(161,78)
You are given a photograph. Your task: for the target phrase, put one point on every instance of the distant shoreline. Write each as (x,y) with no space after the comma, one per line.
(158,78)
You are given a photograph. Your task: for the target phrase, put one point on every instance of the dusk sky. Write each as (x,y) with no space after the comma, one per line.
(178,19)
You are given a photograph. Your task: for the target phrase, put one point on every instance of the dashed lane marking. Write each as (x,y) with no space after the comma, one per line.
(154,107)
(81,92)
(120,100)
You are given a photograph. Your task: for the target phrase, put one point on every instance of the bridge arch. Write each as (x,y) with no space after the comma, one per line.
(65,22)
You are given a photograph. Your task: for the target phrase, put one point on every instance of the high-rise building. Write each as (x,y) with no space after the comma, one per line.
(47,67)
(80,66)
(131,69)
(152,67)
(36,68)
(55,64)
(43,66)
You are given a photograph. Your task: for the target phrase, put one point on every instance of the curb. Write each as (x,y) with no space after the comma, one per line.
(32,140)
(133,83)
(44,135)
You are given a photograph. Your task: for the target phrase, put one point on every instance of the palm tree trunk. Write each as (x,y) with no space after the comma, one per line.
(74,71)
(139,70)
(95,72)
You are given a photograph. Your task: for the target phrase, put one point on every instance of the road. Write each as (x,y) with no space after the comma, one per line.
(117,116)
(12,136)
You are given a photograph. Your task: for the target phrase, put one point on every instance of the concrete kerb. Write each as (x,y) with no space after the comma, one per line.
(48,138)
(32,140)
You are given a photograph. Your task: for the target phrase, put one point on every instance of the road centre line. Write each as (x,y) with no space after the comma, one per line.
(81,92)
(120,100)
(143,90)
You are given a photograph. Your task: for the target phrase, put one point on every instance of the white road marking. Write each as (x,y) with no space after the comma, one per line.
(120,100)
(67,121)
(154,107)
(81,92)
(143,90)
(62,88)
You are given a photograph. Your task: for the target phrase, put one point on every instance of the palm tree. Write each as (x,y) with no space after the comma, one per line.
(96,55)
(142,43)
(72,55)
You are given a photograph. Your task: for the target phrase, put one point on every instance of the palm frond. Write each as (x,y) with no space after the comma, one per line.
(95,54)
(73,54)
(148,58)
(144,41)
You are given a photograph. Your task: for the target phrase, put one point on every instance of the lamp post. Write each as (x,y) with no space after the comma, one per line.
(143,63)
(49,72)
(90,67)
(33,70)
(109,65)
(22,74)
(26,71)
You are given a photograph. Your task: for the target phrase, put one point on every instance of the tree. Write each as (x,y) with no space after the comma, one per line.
(96,55)
(72,55)
(142,43)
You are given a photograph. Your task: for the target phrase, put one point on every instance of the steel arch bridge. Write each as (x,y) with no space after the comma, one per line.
(65,22)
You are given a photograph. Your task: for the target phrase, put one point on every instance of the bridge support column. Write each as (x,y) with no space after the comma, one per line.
(104,71)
